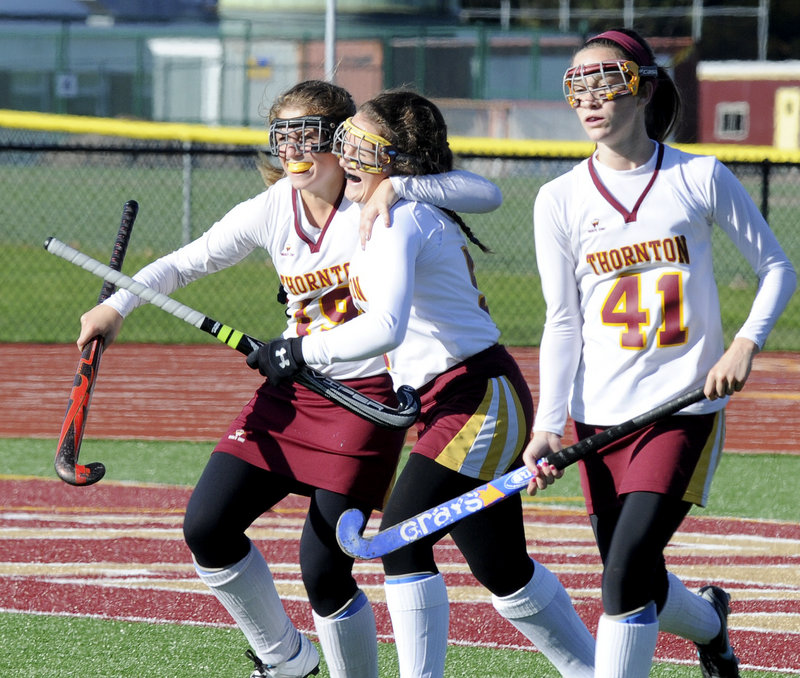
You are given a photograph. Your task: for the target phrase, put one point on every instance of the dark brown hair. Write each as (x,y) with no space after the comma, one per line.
(663,110)
(415,127)
(417,131)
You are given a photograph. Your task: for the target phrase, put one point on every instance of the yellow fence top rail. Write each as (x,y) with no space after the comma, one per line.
(249,136)
(132,129)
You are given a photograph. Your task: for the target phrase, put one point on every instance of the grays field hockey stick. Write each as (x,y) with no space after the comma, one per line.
(73,427)
(351,523)
(387,417)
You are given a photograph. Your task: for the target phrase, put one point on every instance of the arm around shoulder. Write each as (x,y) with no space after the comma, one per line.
(458,190)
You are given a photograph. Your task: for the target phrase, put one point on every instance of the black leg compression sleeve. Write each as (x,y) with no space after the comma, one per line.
(632,542)
(229,496)
(414,491)
(327,570)
(492,541)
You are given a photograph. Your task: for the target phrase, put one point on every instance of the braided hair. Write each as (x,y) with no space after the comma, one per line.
(417,130)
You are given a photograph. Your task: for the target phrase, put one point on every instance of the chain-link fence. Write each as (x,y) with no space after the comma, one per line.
(74,187)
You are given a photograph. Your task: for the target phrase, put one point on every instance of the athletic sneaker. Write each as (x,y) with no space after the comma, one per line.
(304,663)
(716,658)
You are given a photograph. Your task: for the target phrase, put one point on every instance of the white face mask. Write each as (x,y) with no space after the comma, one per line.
(603,80)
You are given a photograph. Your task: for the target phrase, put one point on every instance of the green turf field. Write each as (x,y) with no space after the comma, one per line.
(737,489)
(89,648)
(44,305)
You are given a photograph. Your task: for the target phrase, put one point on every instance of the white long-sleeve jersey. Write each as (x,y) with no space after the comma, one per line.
(312,263)
(633,314)
(421,307)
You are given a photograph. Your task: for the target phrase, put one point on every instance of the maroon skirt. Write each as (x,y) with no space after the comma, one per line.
(296,433)
(662,458)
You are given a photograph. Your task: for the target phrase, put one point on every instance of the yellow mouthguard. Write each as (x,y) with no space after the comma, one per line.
(298,167)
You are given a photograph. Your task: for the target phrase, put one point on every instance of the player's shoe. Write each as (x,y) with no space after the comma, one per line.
(304,663)
(717,659)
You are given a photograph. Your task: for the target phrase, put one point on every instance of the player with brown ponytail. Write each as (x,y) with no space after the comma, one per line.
(623,246)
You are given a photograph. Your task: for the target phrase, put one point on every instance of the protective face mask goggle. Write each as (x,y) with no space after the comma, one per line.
(362,150)
(604,80)
(306,134)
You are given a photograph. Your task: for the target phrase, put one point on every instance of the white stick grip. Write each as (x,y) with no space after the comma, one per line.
(98,268)
(342,394)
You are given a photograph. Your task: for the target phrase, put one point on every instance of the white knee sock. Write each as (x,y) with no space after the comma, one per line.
(349,640)
(625,644)
(247,592)
(687,615)
(543,612)
(420,616)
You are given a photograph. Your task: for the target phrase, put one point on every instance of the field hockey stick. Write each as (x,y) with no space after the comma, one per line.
(378,413)
(351,523)
(72,429)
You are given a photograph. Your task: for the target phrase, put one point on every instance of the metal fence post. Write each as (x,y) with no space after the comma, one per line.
(765,172)
(186,231)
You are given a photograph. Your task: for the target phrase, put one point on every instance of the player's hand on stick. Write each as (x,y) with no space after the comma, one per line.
(731,370)
(278,360)
(379,204)
(541,444)
(101,321)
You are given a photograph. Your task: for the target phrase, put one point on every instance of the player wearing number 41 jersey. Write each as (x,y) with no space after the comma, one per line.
(645,286)
(624,250)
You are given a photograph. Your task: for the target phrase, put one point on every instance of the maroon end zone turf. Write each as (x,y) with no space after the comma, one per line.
(115,550)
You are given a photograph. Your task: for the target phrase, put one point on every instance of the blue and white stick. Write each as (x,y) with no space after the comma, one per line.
(349,530)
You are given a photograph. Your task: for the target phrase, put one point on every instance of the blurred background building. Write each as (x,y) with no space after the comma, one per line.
(495,68)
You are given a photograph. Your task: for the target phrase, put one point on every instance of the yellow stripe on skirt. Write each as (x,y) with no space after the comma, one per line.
(700,482)
(492,438)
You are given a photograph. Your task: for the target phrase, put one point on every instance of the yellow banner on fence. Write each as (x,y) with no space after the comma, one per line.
(250,136)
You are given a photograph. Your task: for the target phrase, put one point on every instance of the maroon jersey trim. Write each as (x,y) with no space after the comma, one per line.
(297,206)
(628,216)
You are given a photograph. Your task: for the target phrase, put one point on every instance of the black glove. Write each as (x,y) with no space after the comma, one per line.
(278,360)
(283,295)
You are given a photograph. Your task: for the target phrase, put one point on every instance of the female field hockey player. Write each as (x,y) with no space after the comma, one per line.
(288,439)
(623,246)
(422,309)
